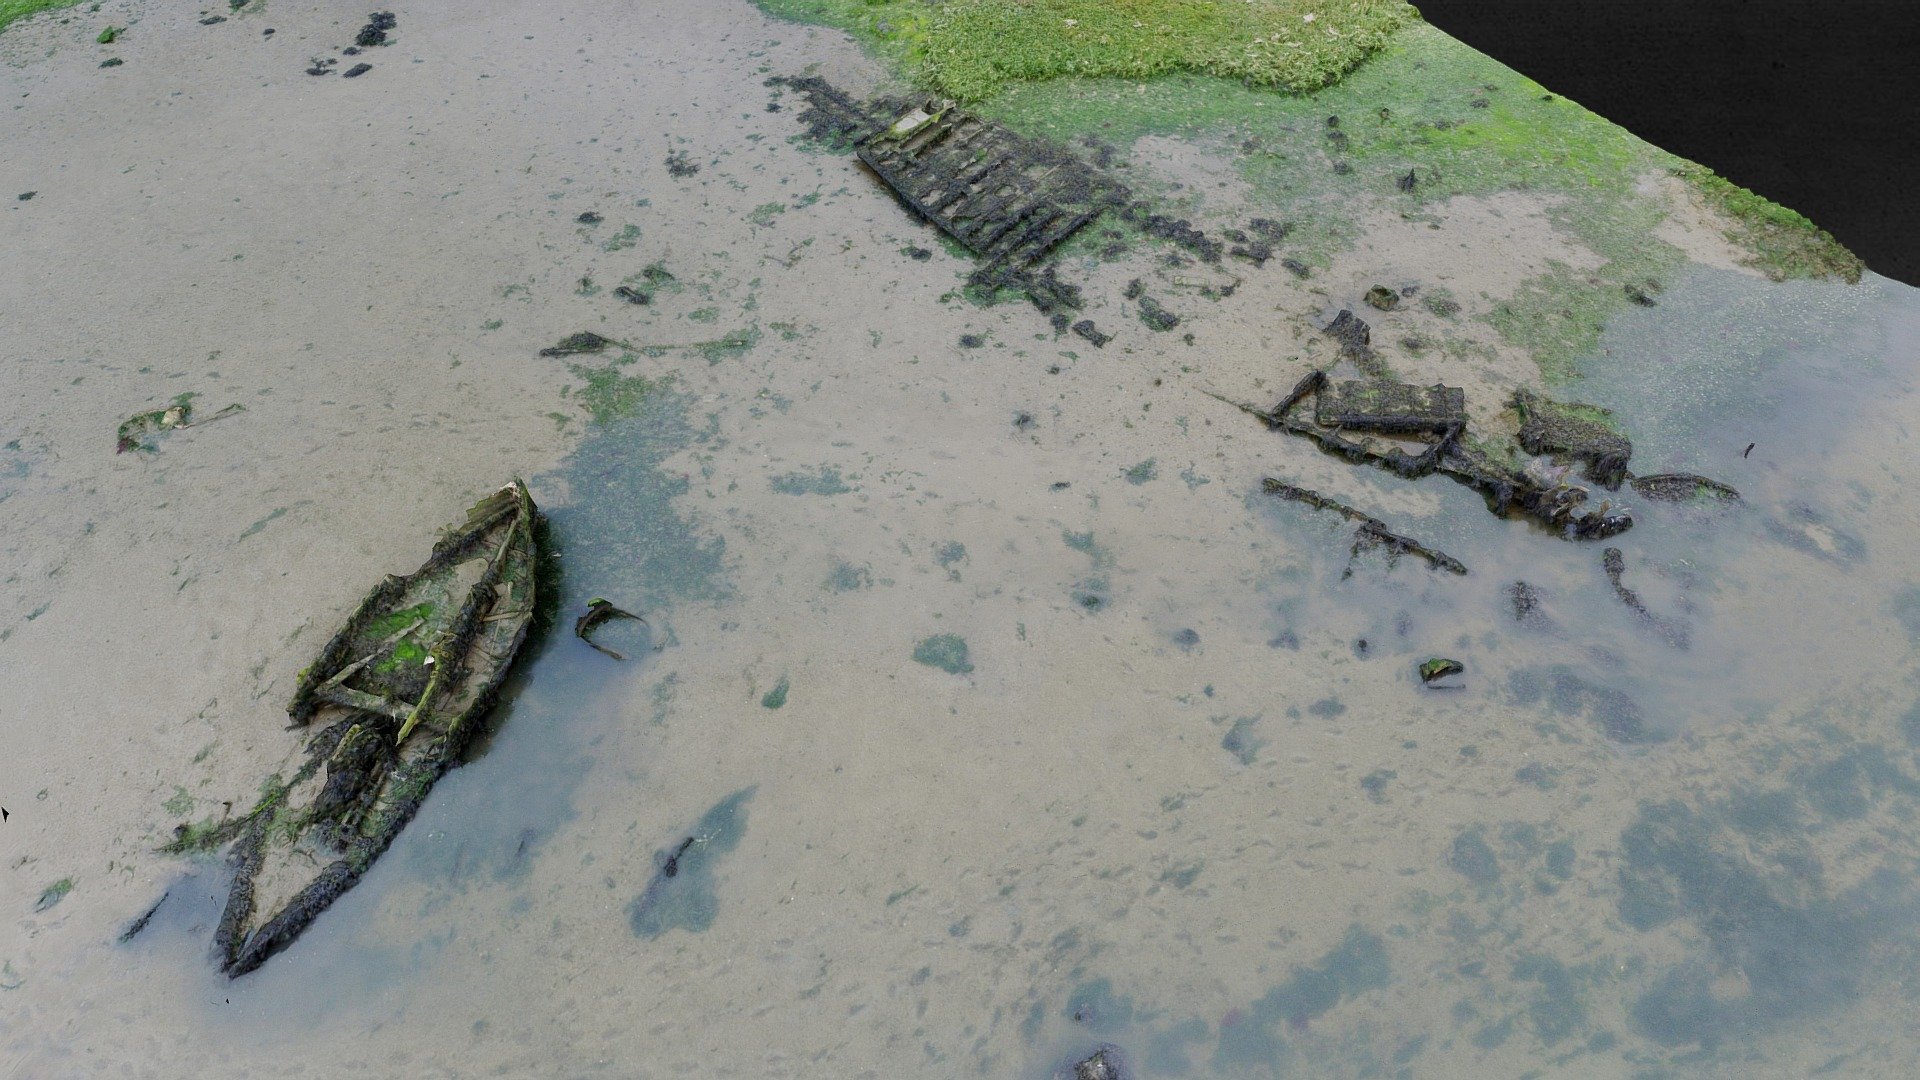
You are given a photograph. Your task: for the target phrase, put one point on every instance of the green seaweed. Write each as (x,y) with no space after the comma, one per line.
(53,894)
(1781,243)
(609,396)
(12,10)
(972,49)
(948,652)
(777,696)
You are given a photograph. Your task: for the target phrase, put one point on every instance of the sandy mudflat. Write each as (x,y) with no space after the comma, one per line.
(1169,800)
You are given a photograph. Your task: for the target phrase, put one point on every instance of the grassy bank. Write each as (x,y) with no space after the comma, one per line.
(11,10)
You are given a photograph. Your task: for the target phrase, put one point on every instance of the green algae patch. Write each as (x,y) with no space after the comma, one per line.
(53,894)
(777,696)
(11,10)
(1781,243)
(970,50)
(948,652)
(609,396)
(827,481)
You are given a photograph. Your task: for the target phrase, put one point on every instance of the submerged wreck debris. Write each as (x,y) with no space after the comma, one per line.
(1392,408)
(1009,199)
(1533,490)
(1353,334)
(1372,531)
(1086,329)
(1005,197)
(1102,1064)
(1681,487)
(1155,316)
(1584,433)
(412,672)
(139,925)
(586,341)
(136,431)
(1439,668)
(600,610)
(1614,562)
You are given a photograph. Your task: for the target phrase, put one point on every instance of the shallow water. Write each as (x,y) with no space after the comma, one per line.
(961,771)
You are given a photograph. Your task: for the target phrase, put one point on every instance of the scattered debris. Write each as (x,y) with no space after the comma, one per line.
(1372,531)
(1614,562)
(1155,316)
(1748,450)
(375,32)
(598,611)
(1383,298)
(586,341)
(413,670)
(356,71)
(135,927)
(213,20)
(135,431)
(1086,329)
(1535,490)
(1102,1064)
(1353,334)
(1584,433)
(1438,668)
(1681,487)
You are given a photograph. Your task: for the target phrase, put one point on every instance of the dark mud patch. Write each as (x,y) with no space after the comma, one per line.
(683,894)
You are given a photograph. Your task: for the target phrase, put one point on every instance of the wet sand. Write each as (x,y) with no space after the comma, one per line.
(1168,800)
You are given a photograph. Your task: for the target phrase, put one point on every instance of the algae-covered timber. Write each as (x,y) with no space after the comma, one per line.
(409,676)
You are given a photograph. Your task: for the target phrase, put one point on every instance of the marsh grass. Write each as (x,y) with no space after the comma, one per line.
(970,50)
(11,10)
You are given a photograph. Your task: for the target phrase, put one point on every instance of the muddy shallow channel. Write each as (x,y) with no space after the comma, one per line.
(985,708)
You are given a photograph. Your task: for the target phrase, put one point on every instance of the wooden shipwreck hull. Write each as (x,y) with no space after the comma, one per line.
(403,685)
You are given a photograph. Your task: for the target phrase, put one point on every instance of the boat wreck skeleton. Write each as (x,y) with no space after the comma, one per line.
(409,677)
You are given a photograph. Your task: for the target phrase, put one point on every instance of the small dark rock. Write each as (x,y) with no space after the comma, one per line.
(1439,668)
(1256,252)
(589,218)
(1023,420)
(319,70)
(112,62)
(1086,329)
(1298,268)
(25,195)
(680,166)
(919,254)
(213,20)
(1061,485)
(356,71)
(268,32)
(632,295)
(1333,121)
(972,341)
(1383,298)
(351,50)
